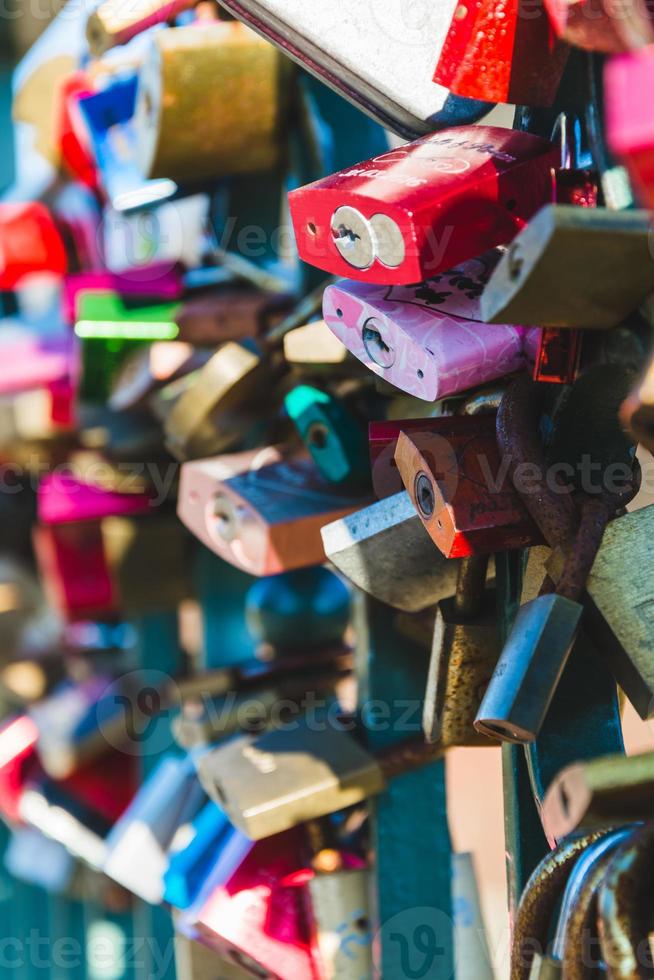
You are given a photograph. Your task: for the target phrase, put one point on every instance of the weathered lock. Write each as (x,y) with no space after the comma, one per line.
(465,651)
(603,26)
(620,606)
(426,339)
(221,402)
(512,59)
(232,312)
(315,349)
(332,433)
(265,519)
(453,474)
(407,214)
(138,844)
(211,103)
(286,776)
(384,550)
(600,792)
(112,24)
(605,254)
(623,915)
(255,916)
(629,133)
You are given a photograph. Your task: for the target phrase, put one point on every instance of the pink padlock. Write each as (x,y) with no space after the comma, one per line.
(628,86)
(64,499)
(158,281)
(258,919)
(427,339)
(29,361)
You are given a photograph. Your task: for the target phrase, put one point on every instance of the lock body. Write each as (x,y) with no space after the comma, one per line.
(111,24)
(332,434)
(407,214)
(425,339)
(629,125)
(341,914)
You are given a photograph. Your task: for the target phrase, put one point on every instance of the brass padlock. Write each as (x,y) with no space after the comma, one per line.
(385,551)
(150,368)
(315,349)
(113,23)
(211,103)
(600,260)
(464,654)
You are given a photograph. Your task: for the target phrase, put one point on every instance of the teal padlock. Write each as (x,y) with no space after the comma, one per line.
(333,435)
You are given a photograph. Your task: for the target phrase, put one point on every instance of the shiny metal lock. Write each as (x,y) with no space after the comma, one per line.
(514,59)
(384,550)
(464,654)
(602,792)
(362,55)
(112,23)
(627,81)
(426,339)
(232,312)
(267,519)
(286,776)
(619,613)
(408,214)
(529,668)
(452,470)
(332,433)
(211,103)
(605,254)
(602,26)
(221,402)
(138,844)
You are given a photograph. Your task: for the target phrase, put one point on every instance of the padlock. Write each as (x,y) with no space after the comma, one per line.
(314,349)
(602,26)
(384,550)
(338,890)
(18,738)
(232,312)
(138,844)
(194,961)
(69,139)
(365,59)
(512,59)
(112,24)
(332,433)
(189,864)
(407,214)
(619,606)
(602,792)
(464,654)
(156,282)
(637,410)
(629,133)
(211,103)
(222,403)
(31,243)
(255,916)
(426,339)
(149,368)
(452,470)
(605,254)
(265,519)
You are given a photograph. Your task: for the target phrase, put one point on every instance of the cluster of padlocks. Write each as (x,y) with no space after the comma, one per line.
(325,351)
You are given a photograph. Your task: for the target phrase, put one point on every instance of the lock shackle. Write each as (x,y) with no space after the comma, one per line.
(596,856)
(623,907)
(540,898)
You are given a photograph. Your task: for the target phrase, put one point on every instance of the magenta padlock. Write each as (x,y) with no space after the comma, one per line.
(420,208)
(428,339)
(159,281)
(628,86)
(258,917)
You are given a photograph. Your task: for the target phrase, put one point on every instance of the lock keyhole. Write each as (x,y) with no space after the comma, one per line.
(376,347)
(425,497)
(318,436)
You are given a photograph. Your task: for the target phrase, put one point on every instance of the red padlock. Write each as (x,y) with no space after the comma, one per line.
(602,25)
(461,488)
(410,213)
(70,139)
(502,52)
(628,85)
(30,242)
